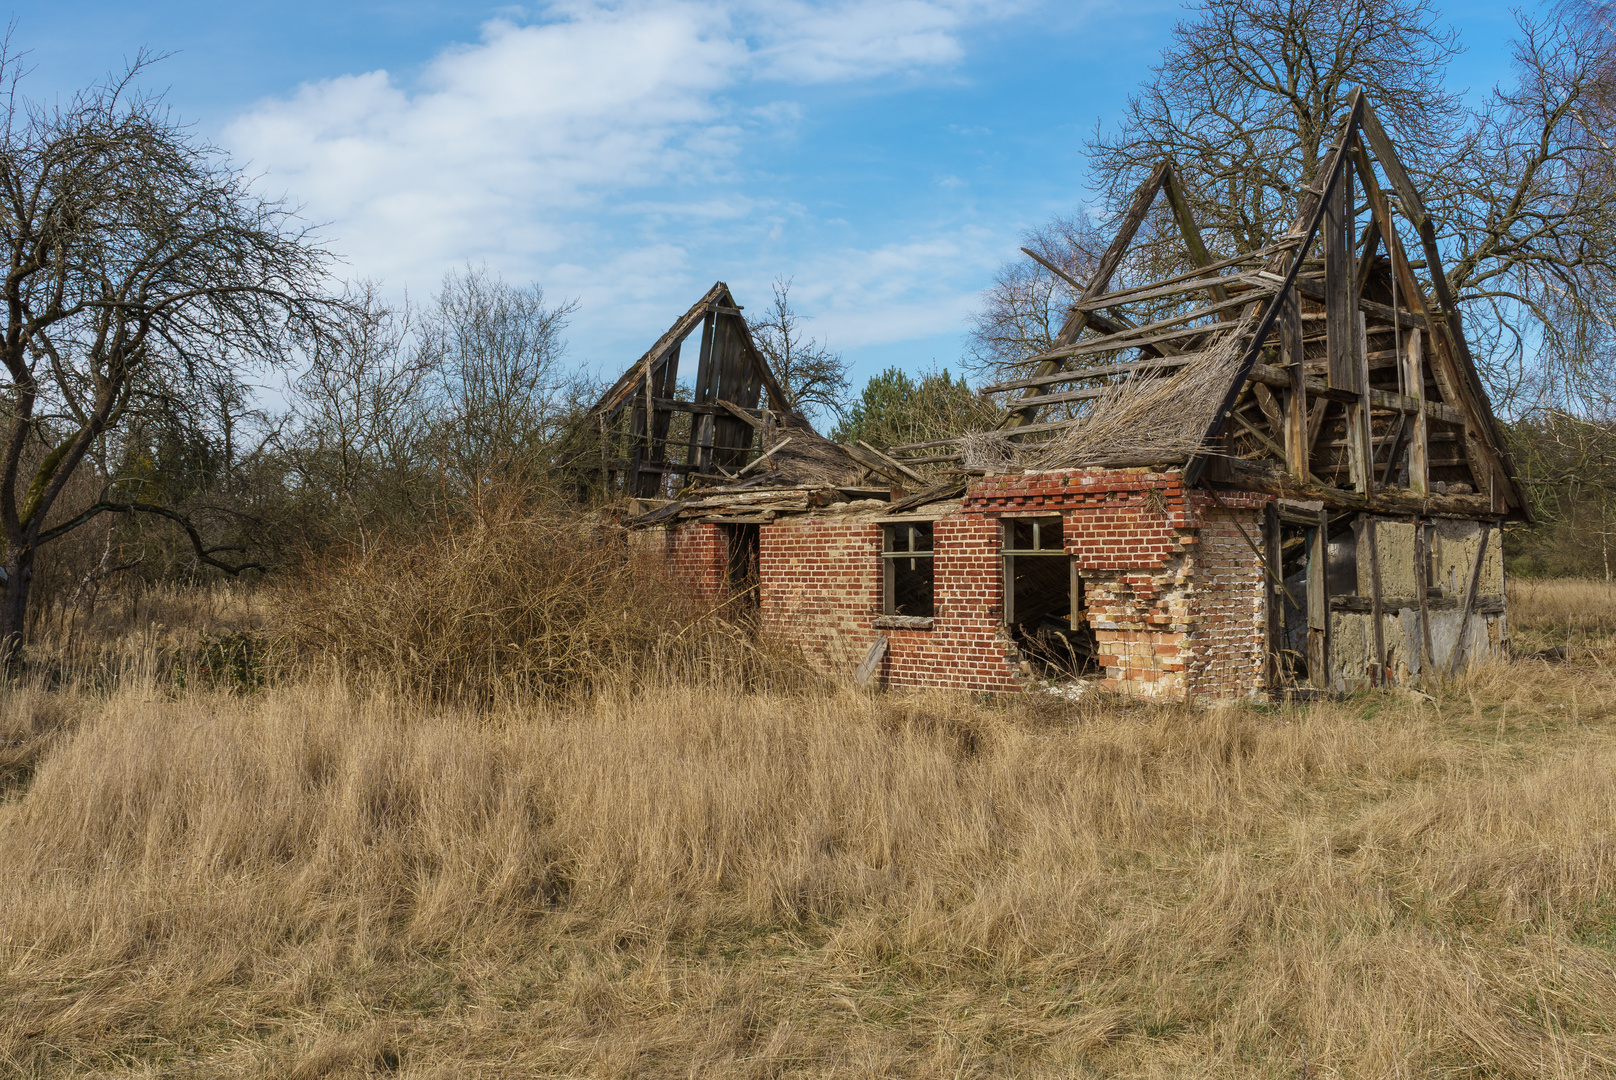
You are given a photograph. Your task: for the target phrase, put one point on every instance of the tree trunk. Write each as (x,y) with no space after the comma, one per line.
(19,567)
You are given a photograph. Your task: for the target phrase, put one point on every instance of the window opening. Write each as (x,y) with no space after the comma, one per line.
(1043,599)
(906,557)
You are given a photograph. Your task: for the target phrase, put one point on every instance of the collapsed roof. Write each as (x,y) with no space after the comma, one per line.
(1318,368)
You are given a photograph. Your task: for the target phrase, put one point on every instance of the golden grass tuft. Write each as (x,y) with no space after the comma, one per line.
(1565,612)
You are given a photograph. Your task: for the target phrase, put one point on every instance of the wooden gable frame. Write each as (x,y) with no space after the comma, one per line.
(1354,387)
(635,416)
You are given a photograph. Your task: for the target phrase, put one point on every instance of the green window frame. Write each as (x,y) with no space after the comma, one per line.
(908,586)
(1034,538)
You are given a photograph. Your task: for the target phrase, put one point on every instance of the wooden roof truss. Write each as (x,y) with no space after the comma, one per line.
(1355,384)
(646,453)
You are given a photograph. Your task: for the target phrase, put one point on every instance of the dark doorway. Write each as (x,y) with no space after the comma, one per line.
(742,568)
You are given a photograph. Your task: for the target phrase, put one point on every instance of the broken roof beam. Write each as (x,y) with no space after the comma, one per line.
(1449,361)
(1101,371)
(1310,215)
(626,386)
(1076,320)
(1125,341)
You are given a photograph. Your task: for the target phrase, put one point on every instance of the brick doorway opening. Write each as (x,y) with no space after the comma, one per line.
(741,567)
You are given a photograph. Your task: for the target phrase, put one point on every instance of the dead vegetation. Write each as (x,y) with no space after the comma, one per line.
(518,600)
(686,878)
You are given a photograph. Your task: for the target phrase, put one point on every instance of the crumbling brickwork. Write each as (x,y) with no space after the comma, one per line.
(1173,590)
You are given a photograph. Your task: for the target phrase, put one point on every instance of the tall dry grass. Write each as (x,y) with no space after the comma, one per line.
(666,880)
(1562,612)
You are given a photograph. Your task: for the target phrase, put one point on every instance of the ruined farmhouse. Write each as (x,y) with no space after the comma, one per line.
(1268,472)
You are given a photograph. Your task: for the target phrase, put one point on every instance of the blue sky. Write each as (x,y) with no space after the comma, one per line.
(885,155)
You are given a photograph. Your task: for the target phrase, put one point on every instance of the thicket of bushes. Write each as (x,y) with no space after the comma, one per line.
(522,597)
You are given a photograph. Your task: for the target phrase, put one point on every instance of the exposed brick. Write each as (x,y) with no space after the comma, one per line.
(1175,593)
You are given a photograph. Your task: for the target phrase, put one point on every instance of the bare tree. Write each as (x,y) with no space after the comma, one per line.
(809,372)
(361,411)
(500,394)
(1249,92)
(1023,309)
(1520,188)
(137,257)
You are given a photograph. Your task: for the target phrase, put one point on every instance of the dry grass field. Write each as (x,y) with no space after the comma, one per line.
(682,877)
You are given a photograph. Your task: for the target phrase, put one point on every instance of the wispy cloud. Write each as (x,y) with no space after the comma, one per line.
(572,146)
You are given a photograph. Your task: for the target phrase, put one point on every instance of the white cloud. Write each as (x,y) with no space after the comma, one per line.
(563,148)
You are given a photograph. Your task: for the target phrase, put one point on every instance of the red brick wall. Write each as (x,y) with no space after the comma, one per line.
(819,581)
(1174,592)
(700,556)
(821,589)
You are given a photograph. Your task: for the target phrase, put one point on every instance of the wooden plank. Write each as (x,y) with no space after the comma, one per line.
(1270,409)
(1114,324)
(1251,429)
(1380,399)
(1386,154)
(1188,229)
(1276,596)
(1360,450)
(1077,320)
(1130,295)
(1419,448)
(904,469)
(936,493)
(1422,584)
(1122,342)
(1318,603)
(1298,450)
(639,429)
(715,409)
(739,413)
(872,660)
(1338,288)
(1378,677)
(1315,423)
(876,462)
(1215,282)
(1366,257)
(1272,480)
(765,456)
(667,382)
(1097,372)
(1469,605)
(704,363)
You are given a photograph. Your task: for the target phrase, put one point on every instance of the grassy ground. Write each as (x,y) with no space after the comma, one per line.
(680,881)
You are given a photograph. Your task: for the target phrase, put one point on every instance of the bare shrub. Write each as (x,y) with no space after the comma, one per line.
(520,598)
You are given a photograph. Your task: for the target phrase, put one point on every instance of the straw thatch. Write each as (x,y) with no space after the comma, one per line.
(1141,418)
(808,460)
(1144,418)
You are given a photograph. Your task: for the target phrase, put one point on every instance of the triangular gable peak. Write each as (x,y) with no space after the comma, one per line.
(656,444)
(1317,368)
